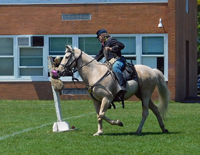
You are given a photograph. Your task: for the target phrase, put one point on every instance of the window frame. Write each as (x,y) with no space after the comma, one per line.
(30,67)
(75,43)
(165,55)
(12,77)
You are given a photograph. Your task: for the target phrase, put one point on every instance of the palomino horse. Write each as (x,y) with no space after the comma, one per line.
(101,87)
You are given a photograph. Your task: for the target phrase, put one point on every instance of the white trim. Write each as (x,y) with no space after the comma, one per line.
(139,49)
(166,61)
(33,2)
(45,60)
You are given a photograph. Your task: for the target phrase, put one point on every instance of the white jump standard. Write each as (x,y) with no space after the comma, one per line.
(60,125)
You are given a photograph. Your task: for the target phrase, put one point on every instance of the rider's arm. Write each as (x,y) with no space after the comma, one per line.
(115,46)
(99,55)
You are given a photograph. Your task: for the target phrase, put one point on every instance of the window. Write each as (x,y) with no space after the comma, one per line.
(153,52)
(6,57)
(152,45)
(130,45)
(31,62)
(89,45)
(129,52)
(57,45)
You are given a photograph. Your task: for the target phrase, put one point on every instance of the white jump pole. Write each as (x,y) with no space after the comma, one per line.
(60,125)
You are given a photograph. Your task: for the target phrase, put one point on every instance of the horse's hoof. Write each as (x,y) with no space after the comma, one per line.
(138,133)
(97,134)
(165,131)
(120,123)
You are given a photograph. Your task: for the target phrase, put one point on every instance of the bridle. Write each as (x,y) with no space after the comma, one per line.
(67,67)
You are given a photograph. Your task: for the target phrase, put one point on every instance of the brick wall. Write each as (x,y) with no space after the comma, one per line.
(42,91)
(34,91)
(171,47)
(25,90)
(186,65)
(116,18)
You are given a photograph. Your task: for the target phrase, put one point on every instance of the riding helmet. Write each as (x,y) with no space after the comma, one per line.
(99,32)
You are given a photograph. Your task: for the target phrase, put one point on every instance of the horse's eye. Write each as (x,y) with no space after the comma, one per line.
(66,57)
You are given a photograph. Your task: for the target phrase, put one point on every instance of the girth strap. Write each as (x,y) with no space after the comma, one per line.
(90,88)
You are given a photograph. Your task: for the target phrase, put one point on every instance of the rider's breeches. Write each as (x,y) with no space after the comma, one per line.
(118,66)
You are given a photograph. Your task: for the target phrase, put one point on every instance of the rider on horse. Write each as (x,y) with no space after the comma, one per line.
(111,50)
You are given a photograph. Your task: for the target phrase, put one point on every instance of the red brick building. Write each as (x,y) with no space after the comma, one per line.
(32,30)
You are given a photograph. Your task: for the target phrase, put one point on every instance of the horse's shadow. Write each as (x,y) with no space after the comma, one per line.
(142,134)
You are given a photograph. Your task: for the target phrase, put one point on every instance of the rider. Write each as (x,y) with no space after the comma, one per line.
(111,50)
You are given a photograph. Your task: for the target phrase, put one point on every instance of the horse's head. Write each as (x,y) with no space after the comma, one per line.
(68,62)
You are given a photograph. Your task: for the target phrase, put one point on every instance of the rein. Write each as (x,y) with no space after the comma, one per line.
(90,88)
(68,67)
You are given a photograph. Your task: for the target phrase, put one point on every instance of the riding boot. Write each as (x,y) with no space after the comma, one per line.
(122,83)
(121,80)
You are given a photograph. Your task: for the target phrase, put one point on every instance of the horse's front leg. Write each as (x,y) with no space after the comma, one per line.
(101,110)
(104,106)
(100,126)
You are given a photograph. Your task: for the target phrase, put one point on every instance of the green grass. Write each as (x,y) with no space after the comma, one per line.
(26,129)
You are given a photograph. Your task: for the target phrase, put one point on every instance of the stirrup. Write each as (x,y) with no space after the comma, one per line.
(122,99)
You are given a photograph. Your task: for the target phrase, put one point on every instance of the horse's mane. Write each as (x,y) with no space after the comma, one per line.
(89,56)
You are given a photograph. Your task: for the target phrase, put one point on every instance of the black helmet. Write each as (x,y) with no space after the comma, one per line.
(100,32)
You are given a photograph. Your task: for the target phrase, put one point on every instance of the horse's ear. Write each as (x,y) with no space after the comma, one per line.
(68,48)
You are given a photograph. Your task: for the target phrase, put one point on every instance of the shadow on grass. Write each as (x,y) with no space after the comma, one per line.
(142,134)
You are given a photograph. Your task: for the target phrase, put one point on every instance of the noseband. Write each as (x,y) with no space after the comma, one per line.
(68,65)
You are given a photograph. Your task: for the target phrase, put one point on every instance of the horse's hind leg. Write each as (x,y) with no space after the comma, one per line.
(154,109)
(145,113)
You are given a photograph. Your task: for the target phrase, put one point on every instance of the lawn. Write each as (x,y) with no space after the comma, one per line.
(26,129)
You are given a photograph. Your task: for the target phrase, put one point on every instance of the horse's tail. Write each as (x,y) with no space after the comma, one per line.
(164,94)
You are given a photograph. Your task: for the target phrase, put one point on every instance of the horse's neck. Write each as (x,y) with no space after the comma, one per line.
(90,70)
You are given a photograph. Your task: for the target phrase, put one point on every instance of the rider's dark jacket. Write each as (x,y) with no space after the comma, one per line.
(116,49)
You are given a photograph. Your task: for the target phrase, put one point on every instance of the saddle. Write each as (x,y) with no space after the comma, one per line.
(129,73)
